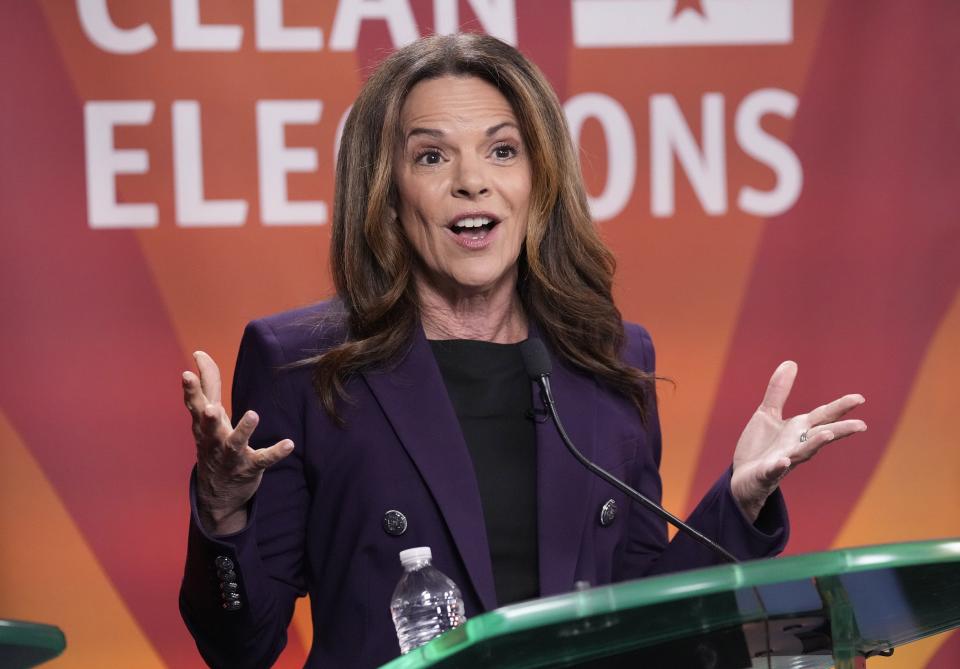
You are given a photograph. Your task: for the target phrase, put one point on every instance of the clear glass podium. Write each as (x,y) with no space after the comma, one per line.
(835,608)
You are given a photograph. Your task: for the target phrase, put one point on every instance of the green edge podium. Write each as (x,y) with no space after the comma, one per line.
(24,644)
(835,608)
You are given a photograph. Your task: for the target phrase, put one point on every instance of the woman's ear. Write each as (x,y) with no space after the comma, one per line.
(391,214)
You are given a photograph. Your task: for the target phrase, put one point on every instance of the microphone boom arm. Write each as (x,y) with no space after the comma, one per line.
(693,533)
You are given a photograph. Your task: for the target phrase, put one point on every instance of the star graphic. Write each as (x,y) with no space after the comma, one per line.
(684,5)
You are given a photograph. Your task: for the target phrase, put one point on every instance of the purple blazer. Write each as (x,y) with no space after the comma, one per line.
(317,522)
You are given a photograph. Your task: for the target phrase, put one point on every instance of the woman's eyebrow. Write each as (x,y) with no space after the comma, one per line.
(439,134)
(431,132)
(493,130)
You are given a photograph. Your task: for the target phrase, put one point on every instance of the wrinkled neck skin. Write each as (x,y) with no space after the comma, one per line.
(493,314)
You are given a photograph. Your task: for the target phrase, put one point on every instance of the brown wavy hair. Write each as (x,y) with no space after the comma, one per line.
(565,271)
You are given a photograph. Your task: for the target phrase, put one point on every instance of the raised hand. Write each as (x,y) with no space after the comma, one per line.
(771,446)
(228,469)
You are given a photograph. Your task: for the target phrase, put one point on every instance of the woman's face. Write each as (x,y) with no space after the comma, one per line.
(463,179)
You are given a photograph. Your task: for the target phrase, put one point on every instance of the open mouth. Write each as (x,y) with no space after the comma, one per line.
(474,227)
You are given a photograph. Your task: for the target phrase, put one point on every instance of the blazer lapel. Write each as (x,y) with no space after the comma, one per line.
(563,484)
(415,401)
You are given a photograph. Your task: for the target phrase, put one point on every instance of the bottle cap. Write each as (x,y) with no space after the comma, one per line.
(412,555)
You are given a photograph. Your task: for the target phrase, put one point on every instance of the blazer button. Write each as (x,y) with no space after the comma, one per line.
(608,513)
(223,562)
(227,576)
(394,523)
(233,605)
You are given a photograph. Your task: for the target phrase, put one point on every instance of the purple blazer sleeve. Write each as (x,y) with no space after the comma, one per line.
(647,551)
(265,559)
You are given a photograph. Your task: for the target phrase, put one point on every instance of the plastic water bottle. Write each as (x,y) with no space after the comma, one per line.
(426,603)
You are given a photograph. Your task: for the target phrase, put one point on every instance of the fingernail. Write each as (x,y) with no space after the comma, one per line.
(287,446)
(185,377)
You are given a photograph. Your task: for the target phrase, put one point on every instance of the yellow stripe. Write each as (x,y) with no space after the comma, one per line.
(49,574)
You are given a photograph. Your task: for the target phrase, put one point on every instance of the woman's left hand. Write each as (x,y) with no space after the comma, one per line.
(771,446)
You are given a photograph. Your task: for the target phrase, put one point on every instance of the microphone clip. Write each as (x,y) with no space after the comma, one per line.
(537,415)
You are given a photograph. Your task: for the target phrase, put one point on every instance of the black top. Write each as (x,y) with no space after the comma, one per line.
(491,395)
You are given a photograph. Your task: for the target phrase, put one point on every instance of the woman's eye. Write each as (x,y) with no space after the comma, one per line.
(429,158)
(504,152)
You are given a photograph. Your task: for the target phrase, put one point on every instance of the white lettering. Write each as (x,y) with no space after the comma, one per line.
(272,35)
(104,162)
(101,30)
(351,13)
(621,149)
(276,161)
(497,17)
(770,151)
(190,35)
(192,209)
(669,136)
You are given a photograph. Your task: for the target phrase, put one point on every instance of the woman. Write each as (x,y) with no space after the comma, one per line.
(460,229)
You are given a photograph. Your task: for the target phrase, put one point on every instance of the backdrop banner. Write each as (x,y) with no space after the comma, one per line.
(779,179)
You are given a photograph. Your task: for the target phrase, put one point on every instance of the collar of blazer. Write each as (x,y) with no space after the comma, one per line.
(563,485)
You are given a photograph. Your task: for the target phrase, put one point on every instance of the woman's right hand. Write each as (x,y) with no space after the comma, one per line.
(228,470)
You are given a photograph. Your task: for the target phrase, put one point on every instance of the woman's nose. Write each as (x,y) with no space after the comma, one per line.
(471,181)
